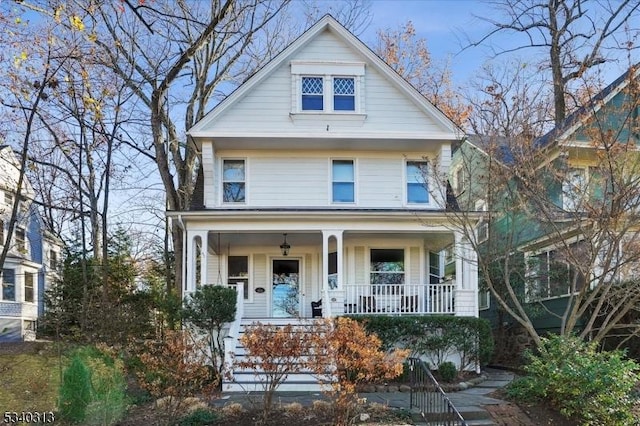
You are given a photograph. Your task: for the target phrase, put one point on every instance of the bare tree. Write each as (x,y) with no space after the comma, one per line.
(572,35)
(562,217)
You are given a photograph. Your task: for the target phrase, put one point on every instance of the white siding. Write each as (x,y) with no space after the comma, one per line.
(280,179)
(414,266)
(258,309)
(380,181)
(269,103)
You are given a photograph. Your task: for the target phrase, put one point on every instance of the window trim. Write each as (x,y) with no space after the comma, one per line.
(222,181)
(428,182)
(331,181)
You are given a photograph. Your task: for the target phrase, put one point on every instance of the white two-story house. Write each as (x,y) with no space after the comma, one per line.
(321,182)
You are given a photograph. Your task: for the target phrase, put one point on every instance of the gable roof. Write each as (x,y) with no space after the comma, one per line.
(327,22)
(579,117)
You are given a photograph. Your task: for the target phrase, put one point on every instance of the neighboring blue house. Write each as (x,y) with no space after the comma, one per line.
(32,259)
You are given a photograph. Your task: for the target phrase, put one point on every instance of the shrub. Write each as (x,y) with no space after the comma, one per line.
(345,355)
(94,388)
(209,309)
(75,391)
(199,417)
(174,368)
(436,337)
(591,386)
(447,371)
(273,352)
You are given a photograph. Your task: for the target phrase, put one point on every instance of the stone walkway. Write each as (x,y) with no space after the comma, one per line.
(470,402)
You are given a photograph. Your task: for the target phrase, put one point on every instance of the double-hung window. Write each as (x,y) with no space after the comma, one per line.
(238,267)
(28,287)
(312,94)
(417,186)
(233,181)
(9,284)
(387,268)
(343,181)
(574,188)
(344,94)
(20,240)
(552,275)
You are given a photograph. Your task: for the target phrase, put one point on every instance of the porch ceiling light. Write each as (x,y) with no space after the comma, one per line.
(284,246)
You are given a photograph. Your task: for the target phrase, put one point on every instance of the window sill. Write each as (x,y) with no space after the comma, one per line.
(349,116)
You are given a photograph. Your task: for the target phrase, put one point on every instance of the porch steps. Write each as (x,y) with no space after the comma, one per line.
(250,380)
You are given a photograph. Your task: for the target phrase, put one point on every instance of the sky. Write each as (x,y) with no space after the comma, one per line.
(447,25)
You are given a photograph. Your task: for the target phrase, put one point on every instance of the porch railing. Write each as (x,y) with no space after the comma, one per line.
(428,397)
(400,298)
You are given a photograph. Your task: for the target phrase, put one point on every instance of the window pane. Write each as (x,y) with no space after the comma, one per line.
(233,170)
(238,266)
(312,85)
(417,171)
(312,91)
(312,103)
(417,193)
(343,171)
(343,192)
(233,192)
(387,266)
(344,103)
(8,284)
(28,287)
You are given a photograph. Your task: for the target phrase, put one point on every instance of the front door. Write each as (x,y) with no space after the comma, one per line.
(285,288)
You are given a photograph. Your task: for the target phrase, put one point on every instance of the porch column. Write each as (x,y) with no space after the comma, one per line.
(326,235)
(198,240)
(459,252)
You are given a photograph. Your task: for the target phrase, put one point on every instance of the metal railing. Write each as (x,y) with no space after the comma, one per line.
(429,398)
(400,298)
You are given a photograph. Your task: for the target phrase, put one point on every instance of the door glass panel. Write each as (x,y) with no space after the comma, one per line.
(285,289)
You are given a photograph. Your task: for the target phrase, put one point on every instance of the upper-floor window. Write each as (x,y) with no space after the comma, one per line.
(417,188)
(8,198)
(53,259)
(233,181)
(312,94)
(20,240)
(343,181)
(344,94)
(9,284)
(574,188)
(28,287)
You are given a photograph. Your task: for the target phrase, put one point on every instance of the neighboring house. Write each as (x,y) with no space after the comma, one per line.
(32,259)
(320,182)
(548,252)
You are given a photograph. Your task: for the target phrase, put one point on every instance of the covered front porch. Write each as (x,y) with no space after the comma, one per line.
(284,271)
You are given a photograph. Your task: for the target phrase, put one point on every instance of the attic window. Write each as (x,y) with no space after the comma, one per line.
(312,94)
(327,87)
